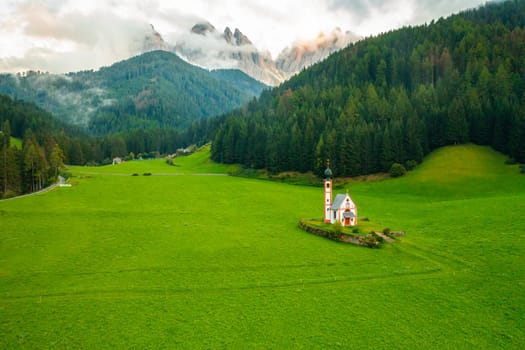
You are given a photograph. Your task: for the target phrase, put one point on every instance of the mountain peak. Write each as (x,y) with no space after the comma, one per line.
(240,38)
(305,53)
(204,46)
(236,38)
(228,35)
(203,28)
(153,41)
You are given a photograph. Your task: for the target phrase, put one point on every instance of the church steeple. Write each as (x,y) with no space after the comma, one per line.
(327,192)
(328,171)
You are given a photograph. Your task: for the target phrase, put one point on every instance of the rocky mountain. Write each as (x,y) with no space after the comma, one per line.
(206,47)
(153,41)
(304,54)
(209,48)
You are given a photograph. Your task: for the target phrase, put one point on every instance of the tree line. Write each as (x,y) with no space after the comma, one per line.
(29,169)
(48,143)
(392,99)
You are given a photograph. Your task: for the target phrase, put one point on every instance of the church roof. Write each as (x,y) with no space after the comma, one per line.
(348,214)
(340,200)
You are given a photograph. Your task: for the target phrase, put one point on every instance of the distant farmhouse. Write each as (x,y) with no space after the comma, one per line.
(117,160)
(342,209)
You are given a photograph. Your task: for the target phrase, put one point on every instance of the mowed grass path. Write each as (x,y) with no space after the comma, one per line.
(184,259)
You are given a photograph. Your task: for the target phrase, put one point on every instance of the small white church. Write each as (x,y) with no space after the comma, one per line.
(342,209)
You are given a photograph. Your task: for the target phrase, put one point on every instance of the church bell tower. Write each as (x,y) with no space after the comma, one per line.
(327,194)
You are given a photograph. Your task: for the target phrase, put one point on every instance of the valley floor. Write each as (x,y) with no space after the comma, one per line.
(218,262)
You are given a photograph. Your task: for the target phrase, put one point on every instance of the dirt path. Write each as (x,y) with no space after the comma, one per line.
(47,189)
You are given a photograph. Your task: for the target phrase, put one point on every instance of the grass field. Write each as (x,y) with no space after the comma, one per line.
(187,259)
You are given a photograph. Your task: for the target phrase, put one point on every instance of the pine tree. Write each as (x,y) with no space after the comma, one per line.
(387,156)
(31,166)
(456,123)
(4,149)
(56,161)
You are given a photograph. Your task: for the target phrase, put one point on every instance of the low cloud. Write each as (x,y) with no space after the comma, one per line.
(375,16)
(63,41)
(67,35)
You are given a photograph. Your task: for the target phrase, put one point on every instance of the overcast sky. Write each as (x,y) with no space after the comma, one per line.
(70,35)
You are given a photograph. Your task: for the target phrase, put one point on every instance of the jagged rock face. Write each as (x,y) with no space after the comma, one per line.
(154,41)
(206,47)
(260,66)
(306,53)
(240,38)
(228,35)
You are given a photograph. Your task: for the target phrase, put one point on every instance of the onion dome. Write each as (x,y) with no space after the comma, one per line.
(328,173)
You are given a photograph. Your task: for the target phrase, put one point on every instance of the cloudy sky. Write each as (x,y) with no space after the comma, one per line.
(70,35)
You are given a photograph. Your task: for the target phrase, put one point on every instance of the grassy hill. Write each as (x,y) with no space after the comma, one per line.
(184,259)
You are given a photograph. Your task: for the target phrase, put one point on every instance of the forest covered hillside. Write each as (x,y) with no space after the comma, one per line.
(36,162)
(44,144)
(392,99)
(156,89)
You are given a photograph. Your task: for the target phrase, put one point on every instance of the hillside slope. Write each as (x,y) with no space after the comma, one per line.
(156,89)
(393,98)
(457,173)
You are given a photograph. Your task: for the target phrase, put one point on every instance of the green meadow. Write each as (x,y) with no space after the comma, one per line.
(191,258)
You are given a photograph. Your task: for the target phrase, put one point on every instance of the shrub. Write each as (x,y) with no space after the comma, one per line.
(397,170)
(523,169)
(386,231)
(147,174)
(9,194)
(411,164)
(371,240)
(338,229)
(511,161)
(65,174)
(134,174)
(130,156)
(355,230)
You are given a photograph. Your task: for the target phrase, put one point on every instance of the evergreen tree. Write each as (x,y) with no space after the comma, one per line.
(4,149)
(456,123)
(35,166)
(387,156)
(56,161)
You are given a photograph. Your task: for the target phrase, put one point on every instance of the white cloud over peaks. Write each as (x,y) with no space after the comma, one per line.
(65,35)
(42,36)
